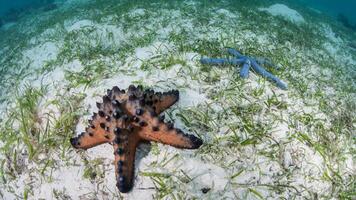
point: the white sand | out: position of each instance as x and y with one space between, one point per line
137 12
39 55
284 11
77 25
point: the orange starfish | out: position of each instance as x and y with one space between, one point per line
127 118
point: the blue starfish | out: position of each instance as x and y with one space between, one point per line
247 62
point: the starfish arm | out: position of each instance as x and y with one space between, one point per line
125 144
100 129
85 141
154 129
235 52
214 61
221 61
158 101
245 69
117 93
260 70
162 101
94 135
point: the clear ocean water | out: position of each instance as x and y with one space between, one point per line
331 8
179 99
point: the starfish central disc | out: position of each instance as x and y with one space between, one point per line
127 118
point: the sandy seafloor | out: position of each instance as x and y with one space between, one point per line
260 142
